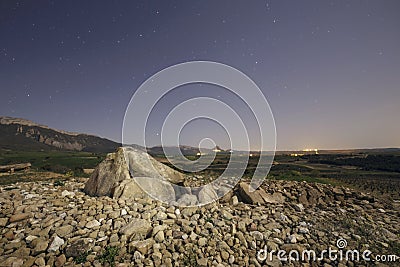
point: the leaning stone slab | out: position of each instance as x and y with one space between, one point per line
250 197
110 175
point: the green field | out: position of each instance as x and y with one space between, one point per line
54 161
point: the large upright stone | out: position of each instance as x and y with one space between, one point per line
108 174
141 164
114 174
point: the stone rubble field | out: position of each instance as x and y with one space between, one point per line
43 224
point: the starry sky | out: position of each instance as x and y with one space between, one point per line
329 69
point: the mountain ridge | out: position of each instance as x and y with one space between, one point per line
22 134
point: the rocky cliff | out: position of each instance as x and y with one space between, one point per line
21 134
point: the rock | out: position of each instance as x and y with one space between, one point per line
207 195
30 238
19 217
303 230
149 233
115 169
40 261
160 216
225 255
137 255
111 171
337 191
226 215
226 193
142 246
234 201
79 247
128 189
257 235
3 221
114 238
123 212
187 200
298 207
292 239
144 187
202 261
275 198
64 230
55 244
139 166
231 259
303 198
60 261
66 193
158 228
92 224
249 197
41 246
202 241
9 235
10 261
159 237
157 256
136 226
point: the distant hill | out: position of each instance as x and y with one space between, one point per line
171 150
185 150
24 135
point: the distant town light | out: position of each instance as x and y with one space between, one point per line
311 150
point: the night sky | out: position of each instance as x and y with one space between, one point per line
329 69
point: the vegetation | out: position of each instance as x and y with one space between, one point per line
64 162
59 183
190 258
82 257
298 176
108 256
382 162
